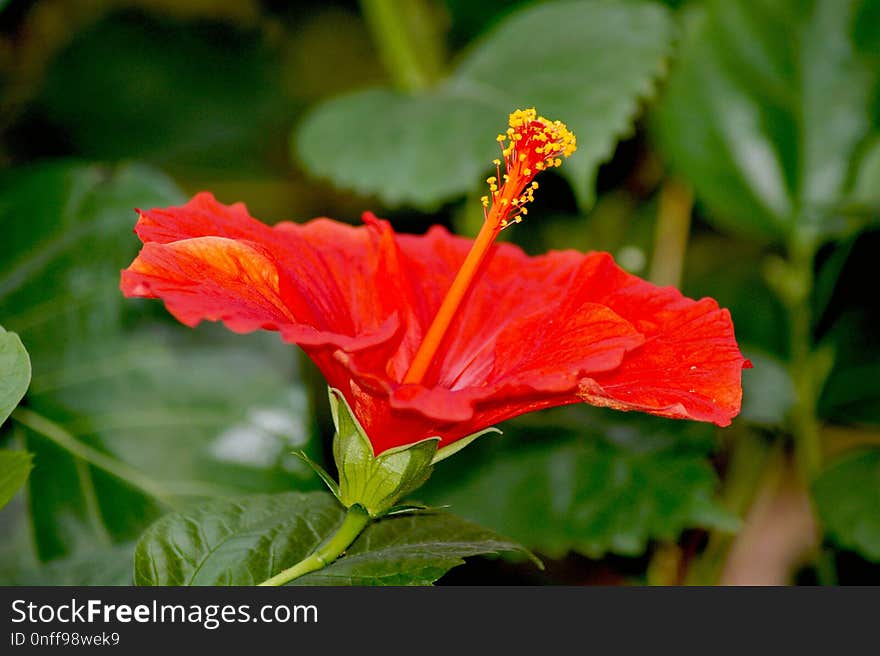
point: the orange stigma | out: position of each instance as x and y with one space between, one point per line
531 144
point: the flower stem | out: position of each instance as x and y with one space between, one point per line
409 46
356 520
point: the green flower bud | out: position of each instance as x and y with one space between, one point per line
376 483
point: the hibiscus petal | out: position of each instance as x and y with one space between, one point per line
592 332
690 365
320 284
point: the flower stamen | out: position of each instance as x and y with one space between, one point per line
530 145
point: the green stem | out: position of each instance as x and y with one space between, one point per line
356 520
826 568
408 44
59 436
671 232
805 423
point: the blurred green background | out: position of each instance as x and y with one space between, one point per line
731 148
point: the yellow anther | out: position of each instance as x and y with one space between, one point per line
529 145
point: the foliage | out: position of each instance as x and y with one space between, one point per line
125 437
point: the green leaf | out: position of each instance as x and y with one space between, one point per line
847 496
210 99
768 391
770 114
245 541
613 488
15 372
586 63
110 566
118 376
14 469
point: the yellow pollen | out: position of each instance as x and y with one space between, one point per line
529 145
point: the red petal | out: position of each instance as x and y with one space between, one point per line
323 283
690 365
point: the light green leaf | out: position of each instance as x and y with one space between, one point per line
769 113
15 372
14 469
245 541
587 63
847 496
610 489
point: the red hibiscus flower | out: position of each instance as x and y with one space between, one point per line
437 335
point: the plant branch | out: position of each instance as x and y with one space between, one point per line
59 436
803 361
408 43
671 232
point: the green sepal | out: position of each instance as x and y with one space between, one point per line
458 445
375 482
332 485
414 509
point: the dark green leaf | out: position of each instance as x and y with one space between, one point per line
586 63
159 399
769 114
560 487
15 372
207 95
415 549
852 393
110 566
245 541
847 496
14 469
